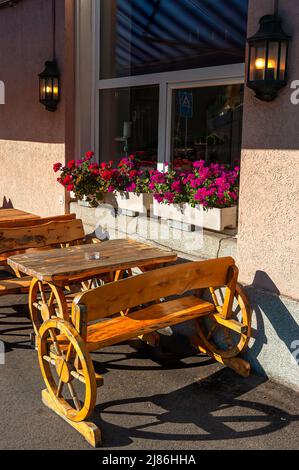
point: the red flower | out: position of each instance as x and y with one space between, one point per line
67 180
57 166
88 156
93 166
71 164
70 187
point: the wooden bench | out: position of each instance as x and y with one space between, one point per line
64 347
58 232
40 221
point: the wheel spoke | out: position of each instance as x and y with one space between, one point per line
51 299
74 396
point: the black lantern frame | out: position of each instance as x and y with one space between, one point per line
268 58
49 86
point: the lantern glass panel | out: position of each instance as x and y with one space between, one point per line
258 61
42 88
272 63
55 89
49 87
283 61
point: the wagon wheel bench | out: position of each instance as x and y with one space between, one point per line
64 346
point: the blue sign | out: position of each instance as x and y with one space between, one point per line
185 104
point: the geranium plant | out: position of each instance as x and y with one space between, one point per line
131 178
213 185
87 179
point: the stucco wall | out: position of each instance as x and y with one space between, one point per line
31 138
268 237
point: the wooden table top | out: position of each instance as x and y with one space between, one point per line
10 215
73 263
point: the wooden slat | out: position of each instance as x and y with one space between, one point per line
12 215
40 235
36 221
72 264
149 319
106 300
15 286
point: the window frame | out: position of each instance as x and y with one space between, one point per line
231 74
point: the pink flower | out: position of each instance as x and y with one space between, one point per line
131 188
169 197
176 186
111 189
158 197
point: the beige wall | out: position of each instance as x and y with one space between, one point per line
31 138
268 238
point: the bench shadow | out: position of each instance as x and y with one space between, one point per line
264 297
212 405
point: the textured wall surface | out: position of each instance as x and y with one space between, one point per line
268 236
31 138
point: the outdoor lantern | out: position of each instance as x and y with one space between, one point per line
268 57
49 87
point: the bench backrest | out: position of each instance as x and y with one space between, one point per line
32 222
39 236
114 297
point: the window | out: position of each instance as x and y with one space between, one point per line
151 36
206 125
154 57
129 123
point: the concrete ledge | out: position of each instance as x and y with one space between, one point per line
197 244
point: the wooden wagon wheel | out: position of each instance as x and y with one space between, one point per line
67 369
45 301
223 340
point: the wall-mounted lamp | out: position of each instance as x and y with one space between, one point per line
49 93
268 58
49 79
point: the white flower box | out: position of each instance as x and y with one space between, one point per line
214 218
132 203
107 199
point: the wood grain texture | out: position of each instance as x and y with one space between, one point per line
37 221
63 265
15 286
111 298
146 320
38 236
11 215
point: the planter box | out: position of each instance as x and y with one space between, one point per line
108 199
134 204
214 219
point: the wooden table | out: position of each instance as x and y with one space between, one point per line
54 270
11 215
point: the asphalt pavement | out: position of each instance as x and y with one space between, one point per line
147 401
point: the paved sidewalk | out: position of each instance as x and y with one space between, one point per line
192 404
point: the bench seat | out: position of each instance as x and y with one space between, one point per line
17 285
146 320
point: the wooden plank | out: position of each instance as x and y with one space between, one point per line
40 235
144 321
37 221
7 215
106 300
15 286
87 429
73 263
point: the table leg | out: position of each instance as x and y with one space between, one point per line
46 300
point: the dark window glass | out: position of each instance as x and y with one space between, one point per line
207 125
149 36
129 124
